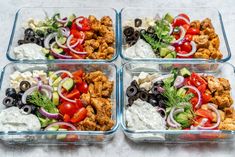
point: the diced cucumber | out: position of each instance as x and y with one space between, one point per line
164 51
59 50
50 74
173 54
45 51
185 72
169 56
68 84
55 98
61 136
181 92
50 57
72 17
55 88
56 82
62 40
169 18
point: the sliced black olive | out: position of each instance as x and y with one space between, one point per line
162 103
158 83
150 30
11 92
131 91
128 31
24 85
152 100
19 104
33 39
29 32
138 22
155 90
20 94
136 35
8 101
132 42
27 109
20 42
40 33
34 109
134 83
143 90
144 96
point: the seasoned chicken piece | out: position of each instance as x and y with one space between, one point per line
216 54
88 35
89 123
109 37
98 88
103 108
91 89
195 24
96 26
107 21
202 53
227 124
222 115
215 42
94 76
202 41
93 43
214 84
92 18
86 98
225 83
210 32
221 101
89 49
107 88
206 23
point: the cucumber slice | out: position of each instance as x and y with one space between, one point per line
55 98
181 92
61 136
169 18
50 57
164 51
68 84
185 72
56 82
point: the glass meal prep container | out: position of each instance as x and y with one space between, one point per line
58 137
128 15
29 17
129 70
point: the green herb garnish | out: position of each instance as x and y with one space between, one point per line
42 101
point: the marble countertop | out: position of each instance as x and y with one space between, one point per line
119 146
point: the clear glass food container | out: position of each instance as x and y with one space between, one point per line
129 70
127 14
24 14
52 137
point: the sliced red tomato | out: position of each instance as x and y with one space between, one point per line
67 108
179 22
79 103
206 98
176 36
197 80
186 46
85 23
178 48
66 118
202 88
186 26
83 87
204 113
185 16
194 101
74 94
79 115
64 75
184 52
198 120
77 76
193 31
186 81
188 37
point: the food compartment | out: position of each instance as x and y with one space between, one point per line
173 34
58 103
160 105
64 34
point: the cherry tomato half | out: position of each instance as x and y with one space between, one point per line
178 48
185 16
79 115
193 31
83 87
67 108
186 46
188 37
204 113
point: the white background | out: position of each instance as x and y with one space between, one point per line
120 146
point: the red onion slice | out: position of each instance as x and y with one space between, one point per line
48 115
77 21
58 72
60 93
173 112
61 123
48 39
194 49
57 55
59 44
179 81
198 93
62 21
32 89
65 31
71 48
202 123
163 110
182 35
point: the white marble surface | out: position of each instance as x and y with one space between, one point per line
120 146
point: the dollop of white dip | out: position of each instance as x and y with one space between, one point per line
29 51
143 116
12 119
140 50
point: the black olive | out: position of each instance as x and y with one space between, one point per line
153 100
162 103
34 108
19 104
33 40
136 35
20 42
158 83
11 92
129 38
27 109
134 83
142 90
150 30
132 42
24 85
128 31
144 96
155 90
8 101
20 94
131 100
40 33
138 22
131 91
29 32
